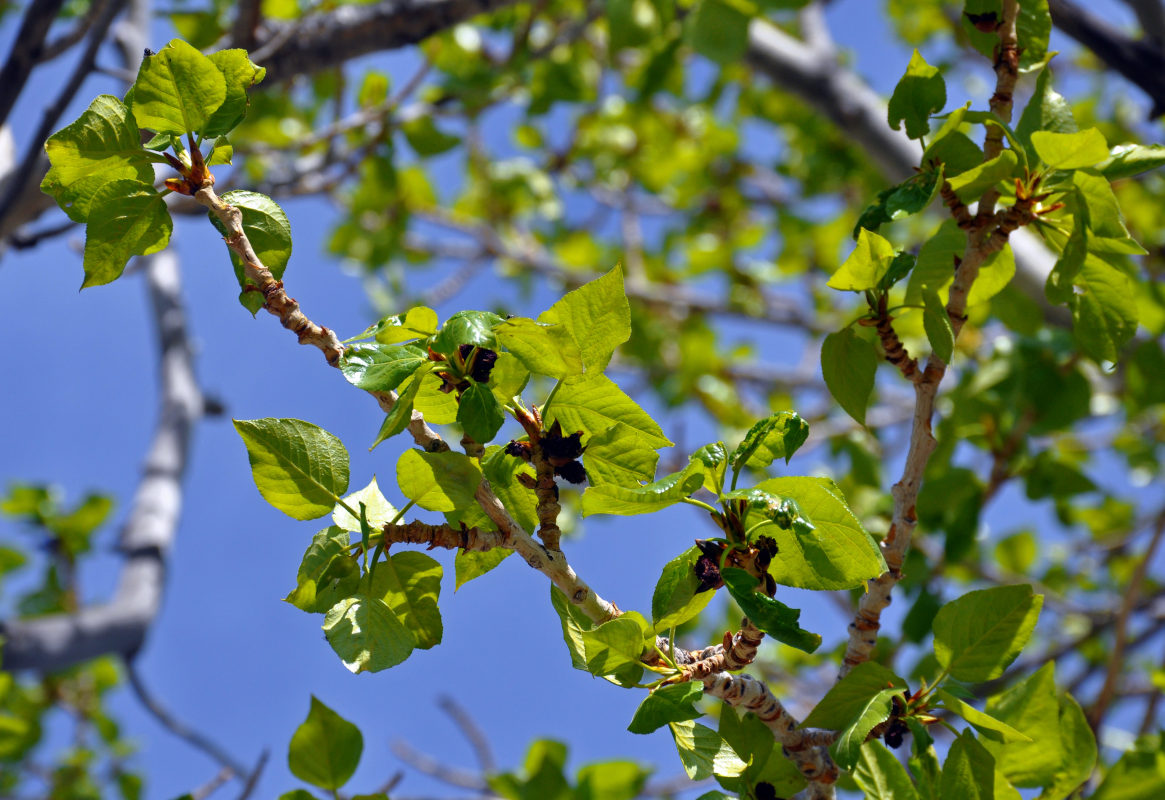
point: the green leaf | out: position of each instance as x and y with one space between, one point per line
1033 27
597 317
619 455
666 704
703 752
771 616
438 481
969 771
1139 774
978 635
239 75
366 635
409 583
776 436
269 233
402 412
920 93
127 218
325 749
380 367
221 153
988 727
1079 748
426 138
1127 160
327 574
866 265
1058 287
937 324
614 645
713 459
873 711
837 554
880 774
102 145
850 696
480 414
1079 150
1105 223
610 498
177 90
909 197
593 404
470 564
419 322
936 267
718 30
675 599
466 327
1104 310
970 185
848 364
1047 110
299 468
611 780
543 349
500 469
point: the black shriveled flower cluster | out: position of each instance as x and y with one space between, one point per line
562 452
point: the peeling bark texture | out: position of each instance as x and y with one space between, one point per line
989 235
737 652
1140 61
445 536
320 41
58 641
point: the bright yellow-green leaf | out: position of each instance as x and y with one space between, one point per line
299 468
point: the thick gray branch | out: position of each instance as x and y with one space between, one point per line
1140 61
120 626
26 51
325 40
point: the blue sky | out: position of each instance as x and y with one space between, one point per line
226 654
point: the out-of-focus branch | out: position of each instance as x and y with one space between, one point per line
58 641
1140 61
351 31
1151 15
27 49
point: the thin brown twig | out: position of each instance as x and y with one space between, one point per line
472 733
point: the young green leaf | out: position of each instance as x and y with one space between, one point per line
880 774
177 90
848 364
402 413
620 455
597 317
1138 773
327 574
426 138
299 468
1127 160
1047 110
409 583
380 367
675 599
937 324
325 749
1079 150
850 696
470 564
969 771
542 348
127 218
102 145
269 233
610 780
717 30
1104 309
776 436
239 75
613 646
920 93
438 481
610 498
970 185
874 710
593 404
480 414
713 459
419 322
978 635
865 265
366 635
666 704
466 327
703 752
837 554
987 725
771 616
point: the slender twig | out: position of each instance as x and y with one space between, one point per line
422 762
27 50
222 777
1120 638
253 777
469 729
177 727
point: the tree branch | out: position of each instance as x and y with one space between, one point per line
58 641
1141 62
348 32
26 51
